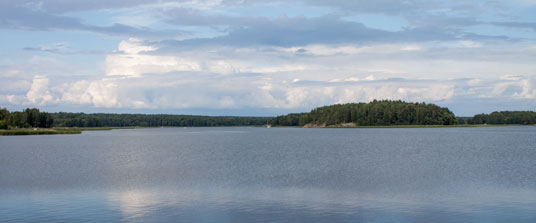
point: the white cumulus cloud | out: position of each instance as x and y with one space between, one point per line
39 93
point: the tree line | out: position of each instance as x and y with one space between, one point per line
30 117
383 112
505 117
64 119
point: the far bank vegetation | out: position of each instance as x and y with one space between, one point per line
375 113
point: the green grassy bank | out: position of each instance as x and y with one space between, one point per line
16 132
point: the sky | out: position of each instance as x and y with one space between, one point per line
265 58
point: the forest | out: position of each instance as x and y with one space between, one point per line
64 119
30 117
375 113
505 117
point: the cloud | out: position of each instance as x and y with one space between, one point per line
192 90
430 21
331 50
287 32
99 93
39 93
62 6
381 6
54 48
133 63
13 16
523 25
182 91
515 86
528 89
143 75
62 49
367 89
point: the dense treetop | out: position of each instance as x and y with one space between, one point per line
34 118
504 117
64 119
30 117
385 112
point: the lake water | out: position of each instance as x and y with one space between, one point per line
271 175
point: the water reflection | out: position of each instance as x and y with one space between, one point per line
259 204
135 203
291 204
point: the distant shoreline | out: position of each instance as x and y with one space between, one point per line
40 131
402 126
63 131
57 131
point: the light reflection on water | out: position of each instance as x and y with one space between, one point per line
267 204
276 175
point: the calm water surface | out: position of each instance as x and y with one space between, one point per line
271 175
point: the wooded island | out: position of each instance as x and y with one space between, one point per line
375 113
